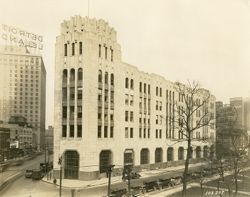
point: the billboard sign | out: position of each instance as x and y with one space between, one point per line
11 35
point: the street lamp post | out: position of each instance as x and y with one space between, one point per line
60 184
109 170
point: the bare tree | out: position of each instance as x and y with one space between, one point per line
195 101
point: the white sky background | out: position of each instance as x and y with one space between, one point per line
203 40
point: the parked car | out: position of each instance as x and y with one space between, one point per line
118 192
135 175
28 173
177 180
164 183
37 174
151 185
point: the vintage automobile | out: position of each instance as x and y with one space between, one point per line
37 174
28 173
118 192
151 185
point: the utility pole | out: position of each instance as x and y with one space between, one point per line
60 185
109 170
45 169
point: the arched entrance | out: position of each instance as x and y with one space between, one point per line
170 154
198 152
105 160
144 156
181 153
71 164
158 155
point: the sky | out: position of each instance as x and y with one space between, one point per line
203 40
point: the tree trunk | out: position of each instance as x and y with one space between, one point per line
184 188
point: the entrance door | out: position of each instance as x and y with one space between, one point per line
71 169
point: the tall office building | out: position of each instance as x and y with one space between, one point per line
109 112
22 85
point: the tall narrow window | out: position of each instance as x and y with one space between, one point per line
71 131
99 76
112 79
106 78
131 84
65 49
73 48
111 132
80 74
131 133
100 50
64 131
106 52
79 130
80 48
99 132
112 54
105 131
65 75
126 83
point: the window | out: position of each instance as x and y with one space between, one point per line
105 160
131 84
126 132
144 156
80 74
131 116
80 48
140 134
72 93
126 83
131 133
126 99
64 131
112 79
106 78
79 111
79 93
126 116
156 91
79 130
112 54
181 153
131 100
65 75
99 76
106 52
73 48
105 131
72 110
170 154
100 50
145 88
65 50
140 86
64 112
160 92
72 75
158 155
111 132
148 89
99 132
71 131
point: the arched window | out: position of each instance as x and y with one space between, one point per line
198 152
158 155
144 156
112 79
126 83
99 76
205 152
71 164
72 75
65 75
80 74
105 160
170 154
181 153
106 78
131 84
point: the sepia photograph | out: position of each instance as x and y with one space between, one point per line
114 98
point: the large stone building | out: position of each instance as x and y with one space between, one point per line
109 112
22 85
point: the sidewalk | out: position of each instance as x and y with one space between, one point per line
80 184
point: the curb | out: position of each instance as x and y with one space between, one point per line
11 179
